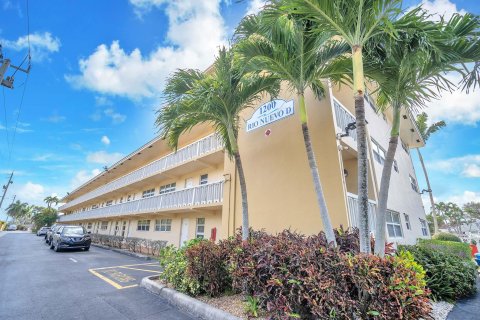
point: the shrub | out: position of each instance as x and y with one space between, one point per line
206 264
461 250
448 277
294 276
445 236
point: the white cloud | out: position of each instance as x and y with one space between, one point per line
441 8
144 6
55 118
102 101
42 44
32 193
83 176
195 31
466 196
254 6
115 116
43 157
467 166
105 140
103 157
21 128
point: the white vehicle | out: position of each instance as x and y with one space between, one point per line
12 227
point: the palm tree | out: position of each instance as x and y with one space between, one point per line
285 48
217 98
17 209
356 22
51 199
411 69
426 131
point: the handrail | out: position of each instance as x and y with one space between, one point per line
196 149
343 117
188 197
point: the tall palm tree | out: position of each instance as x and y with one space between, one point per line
426 131
17 209
412 68
356 22
217 98
51 199
284 47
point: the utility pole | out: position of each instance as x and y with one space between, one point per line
5 188
5 64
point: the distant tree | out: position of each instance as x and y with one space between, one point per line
452 214
51 199
44 217
16 209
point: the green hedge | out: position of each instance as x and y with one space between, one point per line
459 249
445 236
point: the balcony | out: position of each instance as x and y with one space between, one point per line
343 117
188 153
201 196
353 219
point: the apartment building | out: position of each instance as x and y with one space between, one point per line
157 193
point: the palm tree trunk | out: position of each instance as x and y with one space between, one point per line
327 224
380 234
243 191
432 203
359 89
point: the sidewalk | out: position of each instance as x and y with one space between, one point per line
467 308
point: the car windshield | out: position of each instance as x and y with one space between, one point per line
73 231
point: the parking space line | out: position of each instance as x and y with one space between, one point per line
73 260
128 265
154 271
107 280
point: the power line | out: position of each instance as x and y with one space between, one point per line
6 122
18 117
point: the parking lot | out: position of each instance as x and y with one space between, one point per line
38 283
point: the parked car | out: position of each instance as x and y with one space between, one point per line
70 237
48 236
12 227
42 231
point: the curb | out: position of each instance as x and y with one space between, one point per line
191 305
121 251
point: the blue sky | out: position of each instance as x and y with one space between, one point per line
97 72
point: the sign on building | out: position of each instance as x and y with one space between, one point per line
269 112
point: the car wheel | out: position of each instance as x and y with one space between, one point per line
86 248
51 244
56 248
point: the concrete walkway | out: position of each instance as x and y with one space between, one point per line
466 309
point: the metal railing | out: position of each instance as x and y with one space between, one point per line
197 149
343 117
353 218
196 196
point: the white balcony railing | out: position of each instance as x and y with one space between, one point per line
206 194
352 201
201 147
343 117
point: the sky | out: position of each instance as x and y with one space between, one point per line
98 70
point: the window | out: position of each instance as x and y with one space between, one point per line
423 223
109 203
143 225
405 146
395 165
413 183
95 206
104 225
115 231
407 221
394 226
124 228
378 152
163 225
89 225
203 179
200 230
121 200
148 193
168 188
129 197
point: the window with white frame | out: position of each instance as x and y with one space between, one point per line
394 226
148 193
407 221
200 229
168 188
104 225
89 225
423 224
109 203
116 229
203 179
413 183
143 225
395 165
163 225
378 152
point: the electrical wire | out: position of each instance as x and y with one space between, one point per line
18 118
5 119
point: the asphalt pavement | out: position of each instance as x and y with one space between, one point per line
38 283
468 308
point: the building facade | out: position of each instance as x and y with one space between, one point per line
160 194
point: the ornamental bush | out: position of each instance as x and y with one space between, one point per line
448 277
459 249
445 236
